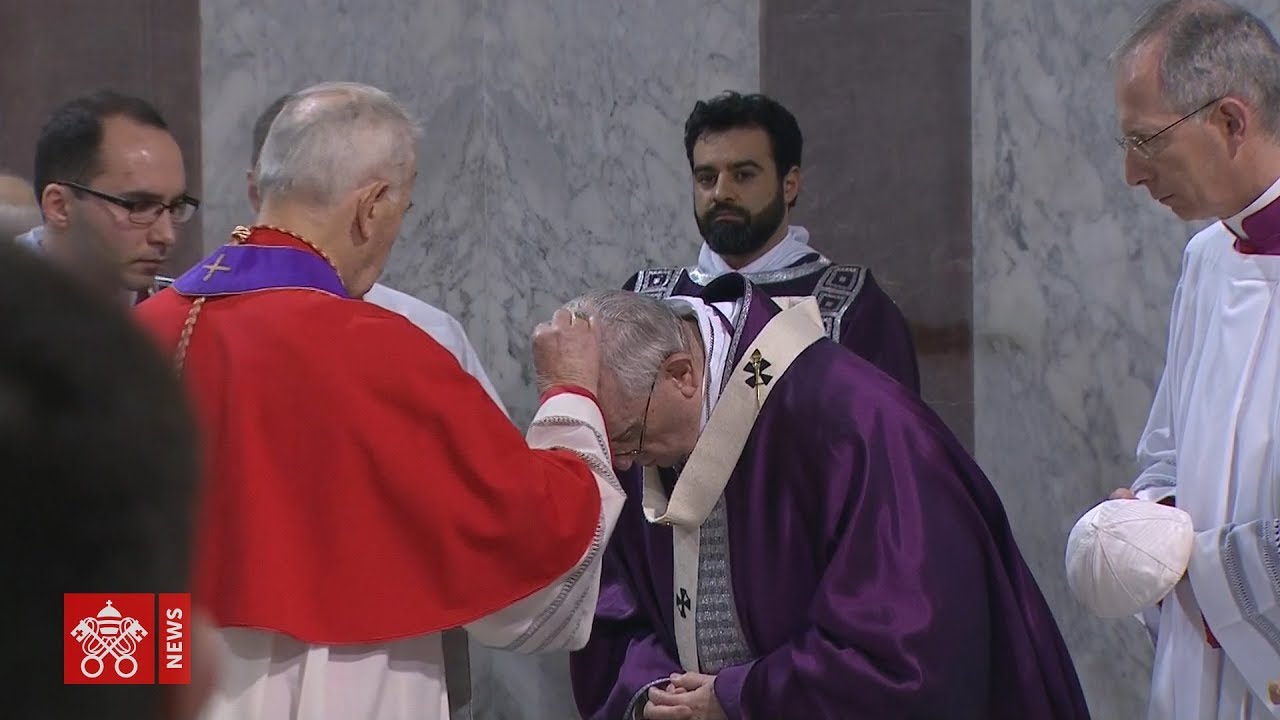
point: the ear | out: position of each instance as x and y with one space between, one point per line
791 186
1233 117
255 201
55 203
370 205
682 368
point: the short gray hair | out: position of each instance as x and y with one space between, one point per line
637 333
331 138
1211 49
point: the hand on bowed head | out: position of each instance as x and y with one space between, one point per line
566 351
690 696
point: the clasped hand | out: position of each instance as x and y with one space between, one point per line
689 696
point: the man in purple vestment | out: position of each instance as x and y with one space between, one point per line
744 151
807 539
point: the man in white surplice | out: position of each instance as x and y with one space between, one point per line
1198 91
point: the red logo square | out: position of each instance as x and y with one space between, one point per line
108 638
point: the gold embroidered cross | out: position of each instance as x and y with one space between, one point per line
757 378
216 266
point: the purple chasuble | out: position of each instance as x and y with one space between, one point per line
270 260
873 570
856 310
1262 230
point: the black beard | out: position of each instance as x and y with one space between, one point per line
745 235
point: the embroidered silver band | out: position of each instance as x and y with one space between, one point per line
836 292
1269 547
657 282
720 641
739 322
767 277
1229 542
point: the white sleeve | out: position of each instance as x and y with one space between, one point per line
1158 447
559 617
470 362
1235 573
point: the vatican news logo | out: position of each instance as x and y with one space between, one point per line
126 638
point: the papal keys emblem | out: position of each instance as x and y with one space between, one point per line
108 634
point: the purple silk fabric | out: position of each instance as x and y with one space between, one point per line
873 567
1263 230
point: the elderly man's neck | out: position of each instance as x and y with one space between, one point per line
325 228
1261 172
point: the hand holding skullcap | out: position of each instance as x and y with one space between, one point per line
1126 555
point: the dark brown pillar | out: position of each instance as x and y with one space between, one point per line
881 90
54 50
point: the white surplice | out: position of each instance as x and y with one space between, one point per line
1213 442
783 255
268 676
440 325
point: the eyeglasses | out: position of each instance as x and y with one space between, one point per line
644 422
1143 146
145 212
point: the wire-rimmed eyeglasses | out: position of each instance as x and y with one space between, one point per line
1143 145
644 422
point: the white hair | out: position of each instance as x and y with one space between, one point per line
637 333
1210 49
331 138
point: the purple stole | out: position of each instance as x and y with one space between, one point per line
234 269
1262 231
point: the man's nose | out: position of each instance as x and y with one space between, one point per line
163 231
1136 170
724 190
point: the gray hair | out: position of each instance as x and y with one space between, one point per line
331 138
637 333
1211 49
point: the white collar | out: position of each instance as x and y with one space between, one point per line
1236 222
791 248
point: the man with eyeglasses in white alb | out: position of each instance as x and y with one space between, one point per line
112 189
